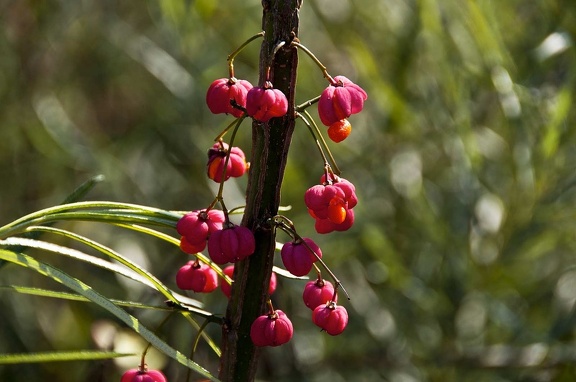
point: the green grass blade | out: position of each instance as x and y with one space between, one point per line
75 196
86 291
176 242
80 192
76 297
129 270
80 355
94 211
158 285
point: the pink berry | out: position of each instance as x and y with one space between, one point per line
298 258
340 100
197 276
196 226
330 317
346 186
138 375
224 286
323 226
191 249
318 292
273 283
265 103
231 244
271 330
229 271
235 167
331 203
223 91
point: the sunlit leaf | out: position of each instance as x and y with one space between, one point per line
79 355
85 290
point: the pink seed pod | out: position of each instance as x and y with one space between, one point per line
330 317
273 329
265 103
231 244
318 198
324 226
138 375
297 258
227 289
273 284
331 203
340 100
224 286
318 292
236 166
191 249
197 276
196 226
223 91
346 186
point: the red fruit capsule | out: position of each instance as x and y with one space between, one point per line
235 167
318 292
224 286
191 249
298 258
265 103
340 100
196 226
231 244
330 317
138 375
324 226
223 91
273 329
197 276
331 203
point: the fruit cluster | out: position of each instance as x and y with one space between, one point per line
330 203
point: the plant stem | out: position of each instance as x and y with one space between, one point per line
317 61
233 55
270 144
322 140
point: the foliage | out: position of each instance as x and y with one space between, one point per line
461 263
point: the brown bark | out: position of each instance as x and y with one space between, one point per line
270 144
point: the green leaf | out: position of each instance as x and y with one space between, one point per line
176 242
186 305
86 291
79 355
77 297
102 211
288 275
80 192
133 271
76 195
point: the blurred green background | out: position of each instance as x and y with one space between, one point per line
461 263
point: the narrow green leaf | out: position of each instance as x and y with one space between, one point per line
183 303
80 355
80 192
75 196
85 290
76 297
94 211
288 275
133 271
176 242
